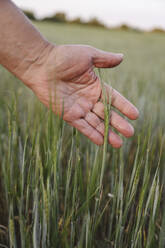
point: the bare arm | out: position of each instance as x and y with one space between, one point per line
20 42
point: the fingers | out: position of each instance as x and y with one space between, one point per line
86 129
96 135
121 125
124 106
116 121
93 127
104 59
121 103
115 139
98 124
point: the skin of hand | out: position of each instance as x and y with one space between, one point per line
65 74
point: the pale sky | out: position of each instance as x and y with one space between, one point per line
144 14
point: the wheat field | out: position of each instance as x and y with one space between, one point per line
57 189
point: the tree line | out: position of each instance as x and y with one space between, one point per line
61 17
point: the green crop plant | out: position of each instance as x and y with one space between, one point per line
57 189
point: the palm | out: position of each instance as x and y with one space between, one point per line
77 86
75 89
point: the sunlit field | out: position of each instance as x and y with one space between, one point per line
57 189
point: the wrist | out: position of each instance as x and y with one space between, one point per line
33 65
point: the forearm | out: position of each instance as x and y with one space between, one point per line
21 44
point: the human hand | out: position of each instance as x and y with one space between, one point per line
65 74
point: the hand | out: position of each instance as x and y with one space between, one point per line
65 75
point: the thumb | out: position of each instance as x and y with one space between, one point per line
102 59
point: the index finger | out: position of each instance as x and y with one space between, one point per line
121 103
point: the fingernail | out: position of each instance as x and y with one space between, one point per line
120 55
